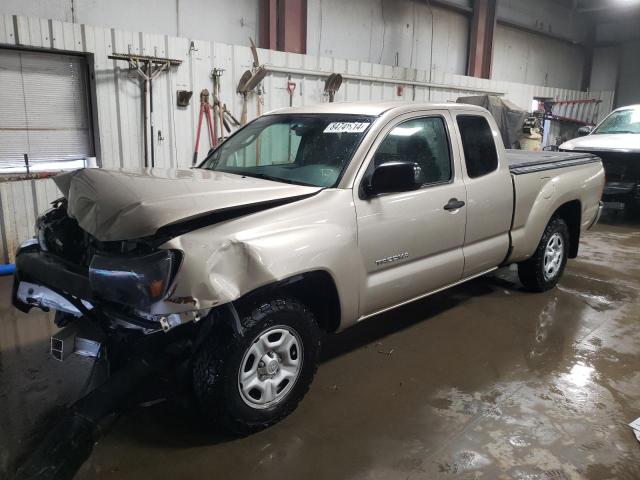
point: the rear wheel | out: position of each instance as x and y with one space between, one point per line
543 270
247 382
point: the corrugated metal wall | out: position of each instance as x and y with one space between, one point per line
119 103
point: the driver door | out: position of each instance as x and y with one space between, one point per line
410 244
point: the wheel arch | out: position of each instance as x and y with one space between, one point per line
571 213
316 289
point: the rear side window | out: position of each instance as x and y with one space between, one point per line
479 146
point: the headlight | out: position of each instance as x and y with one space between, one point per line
135 281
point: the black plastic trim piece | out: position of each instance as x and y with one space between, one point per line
530 167
52 272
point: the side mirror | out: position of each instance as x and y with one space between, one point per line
585 130
392 177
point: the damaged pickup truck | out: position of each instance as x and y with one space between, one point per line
306 221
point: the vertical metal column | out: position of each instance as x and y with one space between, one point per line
483 25
283 25
268 21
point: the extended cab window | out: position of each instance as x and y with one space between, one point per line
422 141
478 144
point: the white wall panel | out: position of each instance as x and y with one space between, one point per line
629 81
525 57
383 31
211 20
119 101
156 16
546 16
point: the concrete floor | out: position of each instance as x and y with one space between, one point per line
483 381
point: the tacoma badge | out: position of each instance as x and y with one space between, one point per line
392 258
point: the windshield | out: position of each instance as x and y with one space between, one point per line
302 149
622 121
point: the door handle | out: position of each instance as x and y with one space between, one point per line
454 204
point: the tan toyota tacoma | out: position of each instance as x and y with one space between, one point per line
306 221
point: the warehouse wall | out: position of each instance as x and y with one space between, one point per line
524 57
546 16
119 101
550 57
604 71
622 44
229 21
628 91
390 32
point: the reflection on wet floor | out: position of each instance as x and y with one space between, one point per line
484 380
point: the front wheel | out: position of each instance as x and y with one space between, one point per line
543 270
249 381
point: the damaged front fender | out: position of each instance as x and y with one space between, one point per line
224 262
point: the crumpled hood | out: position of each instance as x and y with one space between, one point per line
129 204
612 142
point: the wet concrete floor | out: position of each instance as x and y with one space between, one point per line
482 381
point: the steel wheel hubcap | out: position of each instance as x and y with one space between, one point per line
270 367
553 256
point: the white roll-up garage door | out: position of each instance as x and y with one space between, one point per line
44 112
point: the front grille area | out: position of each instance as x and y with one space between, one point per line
61 235
620 166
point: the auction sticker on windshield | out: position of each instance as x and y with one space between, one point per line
346 127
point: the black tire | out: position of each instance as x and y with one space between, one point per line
531 272
216 367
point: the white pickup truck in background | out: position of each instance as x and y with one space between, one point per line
616 140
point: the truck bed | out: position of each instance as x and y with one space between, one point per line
524 161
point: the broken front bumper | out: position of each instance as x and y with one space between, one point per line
46 281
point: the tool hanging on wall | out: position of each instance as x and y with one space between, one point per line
256 67
242 90
205 110
148 68
249 80
332 85
218 117
291 87
229 118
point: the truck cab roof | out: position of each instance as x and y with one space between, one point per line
373 108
